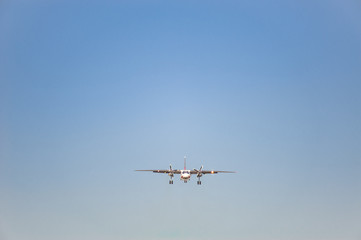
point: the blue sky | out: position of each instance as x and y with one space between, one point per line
91 91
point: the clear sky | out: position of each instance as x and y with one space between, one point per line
91 91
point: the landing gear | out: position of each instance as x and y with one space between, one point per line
171 177
199 180
199 175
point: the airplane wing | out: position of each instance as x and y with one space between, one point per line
161 171
210 172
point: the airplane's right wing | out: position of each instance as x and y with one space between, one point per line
215 172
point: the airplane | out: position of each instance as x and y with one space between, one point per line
185 175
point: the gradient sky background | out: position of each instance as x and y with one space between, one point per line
90 91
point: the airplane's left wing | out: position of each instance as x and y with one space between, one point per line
161 171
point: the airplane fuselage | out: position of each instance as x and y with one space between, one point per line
185 175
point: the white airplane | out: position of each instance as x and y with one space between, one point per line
185 175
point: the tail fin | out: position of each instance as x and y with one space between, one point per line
185 162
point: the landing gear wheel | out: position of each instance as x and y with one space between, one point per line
170 181
199 181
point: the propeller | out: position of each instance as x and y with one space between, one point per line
171 171
199 172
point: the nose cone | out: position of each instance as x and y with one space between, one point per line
185 176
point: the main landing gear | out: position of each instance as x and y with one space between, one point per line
199 181
171 178
171 174
199 175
